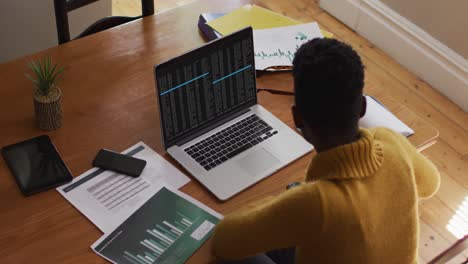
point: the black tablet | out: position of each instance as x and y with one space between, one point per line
36 165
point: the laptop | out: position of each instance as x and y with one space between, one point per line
211 122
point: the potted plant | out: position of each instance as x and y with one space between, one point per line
46 95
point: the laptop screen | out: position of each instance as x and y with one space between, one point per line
204 86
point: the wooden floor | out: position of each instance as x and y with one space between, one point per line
450 154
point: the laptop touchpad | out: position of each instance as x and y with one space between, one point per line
257 162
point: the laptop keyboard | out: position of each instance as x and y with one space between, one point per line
227 143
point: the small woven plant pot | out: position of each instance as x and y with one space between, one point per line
48 109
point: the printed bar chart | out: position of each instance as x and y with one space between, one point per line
160 238
166 229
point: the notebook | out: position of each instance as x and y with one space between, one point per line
207 32
379 116
211 122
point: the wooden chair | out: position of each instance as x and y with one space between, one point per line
62 7
452 252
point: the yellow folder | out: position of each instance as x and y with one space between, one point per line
255 16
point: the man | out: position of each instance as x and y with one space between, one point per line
359 200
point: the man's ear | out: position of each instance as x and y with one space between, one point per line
363 106
298 122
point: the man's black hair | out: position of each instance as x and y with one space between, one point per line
328 81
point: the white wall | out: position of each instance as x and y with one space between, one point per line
446 20
28 26
429 58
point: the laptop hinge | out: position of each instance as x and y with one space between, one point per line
213 126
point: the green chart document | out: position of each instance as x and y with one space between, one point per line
168 228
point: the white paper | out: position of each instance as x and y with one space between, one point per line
108 198
377 115
277 46
202 230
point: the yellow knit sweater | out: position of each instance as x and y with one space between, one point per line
358 205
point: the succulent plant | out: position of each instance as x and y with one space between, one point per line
45 75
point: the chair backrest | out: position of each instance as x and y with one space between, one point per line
62 7
457 248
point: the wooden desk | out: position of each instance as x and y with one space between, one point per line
109 101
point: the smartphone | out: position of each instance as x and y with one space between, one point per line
121 163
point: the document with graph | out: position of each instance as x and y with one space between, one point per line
108 198
275 47
168 228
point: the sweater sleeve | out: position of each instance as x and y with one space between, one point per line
426 175
283 222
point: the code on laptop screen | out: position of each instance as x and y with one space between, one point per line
203 85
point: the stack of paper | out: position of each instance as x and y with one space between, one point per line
144 219
276 37
254 16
